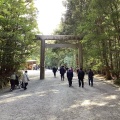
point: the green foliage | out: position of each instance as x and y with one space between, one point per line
18 27
58 57
99 21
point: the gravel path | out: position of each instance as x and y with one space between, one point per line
52 99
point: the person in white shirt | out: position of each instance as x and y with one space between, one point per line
25 80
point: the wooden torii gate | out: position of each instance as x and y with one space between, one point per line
58 37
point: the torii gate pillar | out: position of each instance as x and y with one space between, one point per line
42 60
80 55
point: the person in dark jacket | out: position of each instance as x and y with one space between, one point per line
81 74
17 81
54 71
62 72
90 77
70 77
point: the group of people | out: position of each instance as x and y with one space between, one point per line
14 78
62 71
80 74
15 81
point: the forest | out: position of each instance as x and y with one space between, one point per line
97 20
18 27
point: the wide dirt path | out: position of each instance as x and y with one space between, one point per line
52 99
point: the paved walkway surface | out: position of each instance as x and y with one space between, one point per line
52 99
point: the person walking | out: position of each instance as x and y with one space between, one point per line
17 80
25 80
12 81
70 76
62 72
54 71
90 77
81 74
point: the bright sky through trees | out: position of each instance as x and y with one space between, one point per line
49 16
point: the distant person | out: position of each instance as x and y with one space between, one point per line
54 71
25 80
62 72
77 70
90 77
70 76
17 80
81 74
12 81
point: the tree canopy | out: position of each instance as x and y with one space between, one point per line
99 21
18 27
